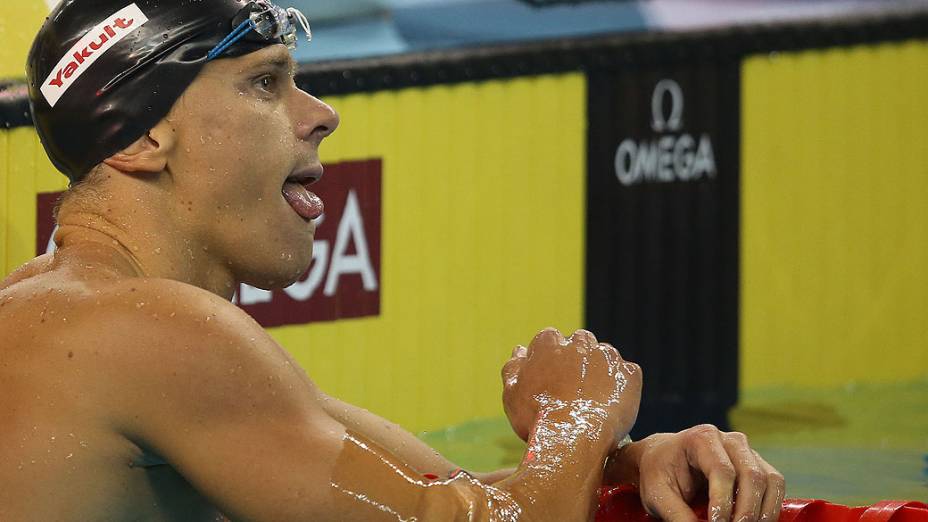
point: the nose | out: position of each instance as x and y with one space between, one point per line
317 119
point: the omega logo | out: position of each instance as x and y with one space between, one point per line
671 156
659 122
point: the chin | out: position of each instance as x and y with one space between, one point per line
278 274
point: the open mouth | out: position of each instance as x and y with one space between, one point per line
306 204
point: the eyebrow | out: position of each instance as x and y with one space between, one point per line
282 62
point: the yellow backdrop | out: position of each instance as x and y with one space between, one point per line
19 22
834 209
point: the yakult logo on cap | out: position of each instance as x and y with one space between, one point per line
94 44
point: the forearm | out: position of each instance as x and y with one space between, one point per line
404 445
562 468
556 481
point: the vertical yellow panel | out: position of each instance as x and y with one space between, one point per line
835 181
4 201
25 171
19 22
21 212
482 243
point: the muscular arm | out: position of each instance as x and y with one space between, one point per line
390 436
406 446
210 392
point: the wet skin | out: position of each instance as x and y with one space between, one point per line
131 389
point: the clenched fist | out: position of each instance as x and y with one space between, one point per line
554 372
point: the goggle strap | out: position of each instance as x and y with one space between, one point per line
304 22
237 34
251 24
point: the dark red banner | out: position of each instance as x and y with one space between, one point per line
343 280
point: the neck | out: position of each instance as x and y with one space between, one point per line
140 244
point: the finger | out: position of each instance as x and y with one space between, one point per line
510 372
583 339
705 452
609 348
776 490
631 376
548 336
665 502
752 480
612 357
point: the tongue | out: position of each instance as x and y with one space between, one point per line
304 202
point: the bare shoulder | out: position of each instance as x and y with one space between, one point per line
169 326
164 309
116 369
179 344
121 314
146 345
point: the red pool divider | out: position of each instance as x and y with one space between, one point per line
623 504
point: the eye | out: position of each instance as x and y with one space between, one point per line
266 82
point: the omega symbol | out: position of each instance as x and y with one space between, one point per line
659 121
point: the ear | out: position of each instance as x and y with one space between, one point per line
148 154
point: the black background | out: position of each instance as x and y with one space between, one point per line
662 258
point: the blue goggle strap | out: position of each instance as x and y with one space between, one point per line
270 24
237 34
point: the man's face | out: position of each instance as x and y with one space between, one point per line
243 128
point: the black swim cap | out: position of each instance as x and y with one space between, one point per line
102 73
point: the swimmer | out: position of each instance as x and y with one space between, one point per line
132 389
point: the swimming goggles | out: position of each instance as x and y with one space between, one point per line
270 22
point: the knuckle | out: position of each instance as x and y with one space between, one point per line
583 338
703 431
547 335
726 471
738 437
510 368
651 502
776 480
583 333
757 477
632 369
